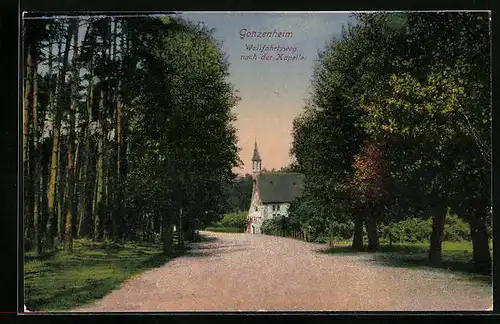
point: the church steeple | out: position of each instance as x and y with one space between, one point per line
256 161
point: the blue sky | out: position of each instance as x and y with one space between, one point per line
272 92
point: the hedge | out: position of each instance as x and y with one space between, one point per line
414 230
224 229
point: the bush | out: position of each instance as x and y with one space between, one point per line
320 238
343 231
456 230
279 226
224 229
412 230
233 220
271 226
417 230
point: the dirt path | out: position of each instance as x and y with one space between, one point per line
232 272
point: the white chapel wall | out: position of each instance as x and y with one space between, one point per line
255 211
269 212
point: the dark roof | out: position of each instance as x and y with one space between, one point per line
280 186
256 156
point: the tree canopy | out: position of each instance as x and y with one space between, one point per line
127 131
399 123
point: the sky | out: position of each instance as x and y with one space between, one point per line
272 91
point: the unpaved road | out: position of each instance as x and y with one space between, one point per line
231 272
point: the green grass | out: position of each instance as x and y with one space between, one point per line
224 229
457 257
58 282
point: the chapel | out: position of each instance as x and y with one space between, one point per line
272 193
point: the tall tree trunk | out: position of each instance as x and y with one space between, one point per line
110 226
117 197
44 176
83 195
57 131
436 241
168 234
95 206
86 197
123 177
105 204
78 184
68 237
160 229
36 162
188 229
357 240
99 211
371 220
27 194
180 240
50 214
480 243
152 228
61 193
98 206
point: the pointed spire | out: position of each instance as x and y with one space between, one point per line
256 156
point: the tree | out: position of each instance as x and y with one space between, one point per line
133 111
239 192
58 114
416 83
445 87
370 189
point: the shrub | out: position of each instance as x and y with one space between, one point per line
321 238
224 229
342 230
417 230
234 220
456 230
272 226
279 226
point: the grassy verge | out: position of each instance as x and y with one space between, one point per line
224 229
58 282
457 257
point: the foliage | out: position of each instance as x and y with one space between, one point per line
239 192
418 86
369 177
224 229
455 229
273 226
342 230
412 230
418 230
127 131
233 220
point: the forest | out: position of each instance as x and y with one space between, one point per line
398 128
126 130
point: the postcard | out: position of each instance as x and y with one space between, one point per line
257 161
